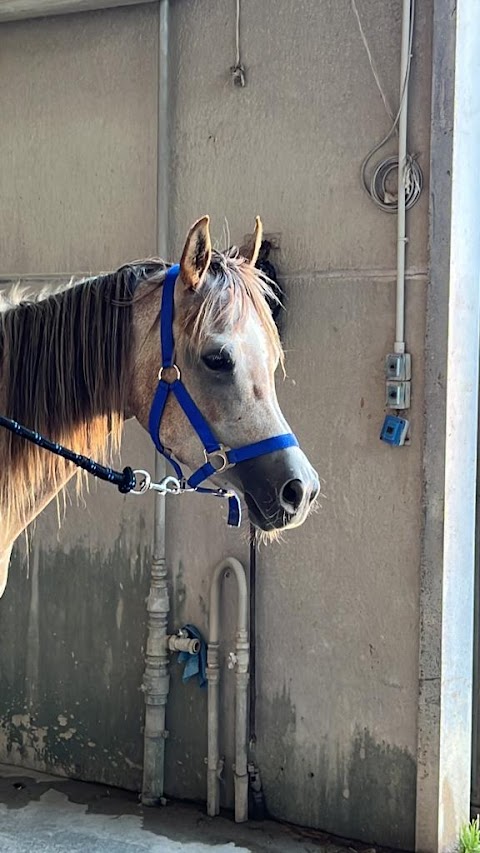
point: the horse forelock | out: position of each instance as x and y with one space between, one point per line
233 292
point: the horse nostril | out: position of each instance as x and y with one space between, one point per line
315 491
291 495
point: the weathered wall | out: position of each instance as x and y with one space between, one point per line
78 109
78 134
72 633
338 599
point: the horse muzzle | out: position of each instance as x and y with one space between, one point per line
279 489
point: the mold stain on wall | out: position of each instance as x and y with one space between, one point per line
373 781
71 699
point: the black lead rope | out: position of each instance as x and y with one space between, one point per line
124 480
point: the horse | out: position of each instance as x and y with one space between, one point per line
77 362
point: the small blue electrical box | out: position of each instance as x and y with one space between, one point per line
394 430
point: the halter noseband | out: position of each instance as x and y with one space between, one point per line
217 457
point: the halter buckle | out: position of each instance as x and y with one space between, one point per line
176 378
220 455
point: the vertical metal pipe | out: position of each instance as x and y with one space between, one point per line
163 137
402 162
213 678
156 678
252 724
241 724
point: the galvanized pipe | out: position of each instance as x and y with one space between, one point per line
156 679
183 644
213 756
241 727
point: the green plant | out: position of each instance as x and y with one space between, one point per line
470 837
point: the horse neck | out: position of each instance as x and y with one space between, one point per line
13 523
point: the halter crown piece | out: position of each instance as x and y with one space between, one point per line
217 457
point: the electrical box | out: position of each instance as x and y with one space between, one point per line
394 430
398 366
397 395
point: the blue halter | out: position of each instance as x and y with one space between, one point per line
217 457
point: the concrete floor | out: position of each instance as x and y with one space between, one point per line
46 814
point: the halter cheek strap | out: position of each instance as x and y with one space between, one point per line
217 457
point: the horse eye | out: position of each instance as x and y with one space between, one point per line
220 361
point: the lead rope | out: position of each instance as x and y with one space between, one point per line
128 481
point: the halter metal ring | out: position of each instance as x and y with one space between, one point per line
219 455
162 370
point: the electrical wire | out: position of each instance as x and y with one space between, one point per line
412 180
238 70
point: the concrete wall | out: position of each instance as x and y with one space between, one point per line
72 632
79 137
338 599
338 606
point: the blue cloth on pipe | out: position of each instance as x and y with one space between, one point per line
195 665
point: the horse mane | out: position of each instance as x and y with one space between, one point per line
65 360
64 365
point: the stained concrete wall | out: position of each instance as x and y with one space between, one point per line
337 600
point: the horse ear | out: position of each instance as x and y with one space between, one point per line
252 247
197 254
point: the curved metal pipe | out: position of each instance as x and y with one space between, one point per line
235 566
240 662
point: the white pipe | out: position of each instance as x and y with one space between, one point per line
156 679
240 663
399 345
15 10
